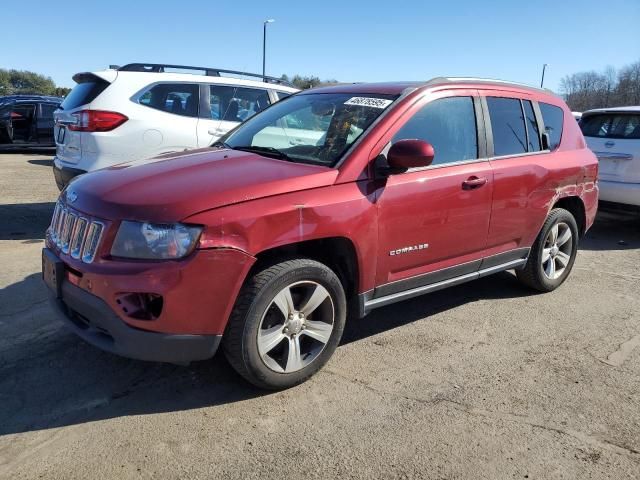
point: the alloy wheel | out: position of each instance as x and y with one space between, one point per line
296 327
557 250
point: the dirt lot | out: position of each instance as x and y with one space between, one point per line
485 380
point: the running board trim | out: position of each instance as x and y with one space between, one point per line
369 305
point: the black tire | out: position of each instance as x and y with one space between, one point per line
240 341
533 274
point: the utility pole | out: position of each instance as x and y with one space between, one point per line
544 67
264 45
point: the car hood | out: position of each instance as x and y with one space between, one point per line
172 187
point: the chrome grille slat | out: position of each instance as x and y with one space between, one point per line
78 235
75 234
92 241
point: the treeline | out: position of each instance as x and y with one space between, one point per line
610 88
14 82
303 83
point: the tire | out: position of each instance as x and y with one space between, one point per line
277 340
548 267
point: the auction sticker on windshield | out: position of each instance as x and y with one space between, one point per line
369 102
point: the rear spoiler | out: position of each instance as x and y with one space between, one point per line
105 76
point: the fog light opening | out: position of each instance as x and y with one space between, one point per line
141 306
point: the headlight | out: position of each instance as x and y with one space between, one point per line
155 241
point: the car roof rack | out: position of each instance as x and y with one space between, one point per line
487 81
208 71
27 96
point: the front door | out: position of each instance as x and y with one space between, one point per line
433 221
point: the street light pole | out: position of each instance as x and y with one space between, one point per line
544 67
264 45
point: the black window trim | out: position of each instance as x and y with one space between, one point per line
536 111
481 135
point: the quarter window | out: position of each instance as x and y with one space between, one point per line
507 125
449 124
179 99
236 104
553 118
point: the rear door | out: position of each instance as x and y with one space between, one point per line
44 123
228 107
23 123
615 139
520 169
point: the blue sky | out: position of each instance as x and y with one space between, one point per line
347 40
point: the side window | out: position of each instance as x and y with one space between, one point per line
47 109
507 125
282 95
553 118
178 98
449 124
533 133
236 104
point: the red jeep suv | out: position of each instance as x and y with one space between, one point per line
354 195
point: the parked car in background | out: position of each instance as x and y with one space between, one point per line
577 116
140 111
352 196
614 136
26 121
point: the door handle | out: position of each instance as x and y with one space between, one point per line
473 182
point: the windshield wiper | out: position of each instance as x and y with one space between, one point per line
221 144
268 150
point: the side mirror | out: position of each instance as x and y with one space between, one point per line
406 154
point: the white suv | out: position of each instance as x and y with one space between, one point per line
143 110
613 134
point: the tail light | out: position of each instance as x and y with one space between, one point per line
97 121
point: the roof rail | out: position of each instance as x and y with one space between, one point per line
488 81
28 96
208 71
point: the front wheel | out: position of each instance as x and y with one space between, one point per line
286 324
553 253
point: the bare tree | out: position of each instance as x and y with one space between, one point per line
587 90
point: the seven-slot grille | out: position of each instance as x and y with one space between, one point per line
74 234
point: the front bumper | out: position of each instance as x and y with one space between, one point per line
93 321
63 175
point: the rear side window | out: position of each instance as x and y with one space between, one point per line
236 104
553 118
533 134
83 93
507 125
449 124
611 126
177 98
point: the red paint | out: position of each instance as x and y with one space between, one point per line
249 204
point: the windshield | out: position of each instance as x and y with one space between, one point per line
313 128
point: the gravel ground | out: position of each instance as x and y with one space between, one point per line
484 380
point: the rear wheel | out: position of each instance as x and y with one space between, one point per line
286 324
553 253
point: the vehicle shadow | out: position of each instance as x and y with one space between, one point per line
43 162
25 220
613 231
